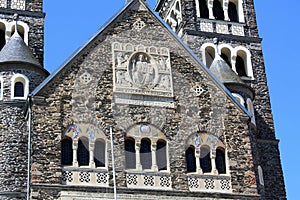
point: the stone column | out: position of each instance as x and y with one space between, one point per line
198 166
138 156
213 162
75 147
153 152
91 149
225 9
210 4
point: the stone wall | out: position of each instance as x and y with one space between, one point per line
66 100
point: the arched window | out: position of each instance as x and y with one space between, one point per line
240 66
2 35
66 152
220 161
232 12
145 153
19 89
205 160
83 154
161 155
21 31
209 55
204 13
218 10
190 159
239 98
130 154
99 153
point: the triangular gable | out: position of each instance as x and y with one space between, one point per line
128 6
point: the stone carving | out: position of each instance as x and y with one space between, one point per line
139 25
144 72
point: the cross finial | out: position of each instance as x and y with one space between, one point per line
16 18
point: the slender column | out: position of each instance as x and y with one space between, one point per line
233 63
225 9
138 155
75 148
91 149
154 163
210 4
198 166
213 162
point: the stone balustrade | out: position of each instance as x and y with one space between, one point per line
209 183
140 180
223 27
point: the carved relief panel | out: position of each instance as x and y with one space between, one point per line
142 75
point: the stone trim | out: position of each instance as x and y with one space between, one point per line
224 36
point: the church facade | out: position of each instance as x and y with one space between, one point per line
169 107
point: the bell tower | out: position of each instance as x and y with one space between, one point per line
239 54
21 71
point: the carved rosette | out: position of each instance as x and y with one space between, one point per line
144 72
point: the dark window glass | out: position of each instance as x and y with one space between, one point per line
205 161
19 89
2 39
130 155
66 152
161 155
99 153
220 161
190 159
240 66
146 157
83 152
204 13
218 10
232 12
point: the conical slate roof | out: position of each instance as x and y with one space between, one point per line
223 71
16 51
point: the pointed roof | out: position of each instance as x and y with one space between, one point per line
16 51
144 4
223 72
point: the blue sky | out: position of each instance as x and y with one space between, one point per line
69 24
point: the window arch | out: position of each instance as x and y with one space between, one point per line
201 155
243 66
250 108
88 146
66 152
19 87
232 12
220 161
218 10
239 98
209 55
161 154
99 153
21 31
205 159
226 55
130 155
190 159
204 12
145 153
83 154
146 148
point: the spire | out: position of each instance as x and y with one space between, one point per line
16 51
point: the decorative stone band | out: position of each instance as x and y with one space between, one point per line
200 183
85 177
158 181
228 28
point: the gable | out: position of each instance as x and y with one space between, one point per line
104 73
